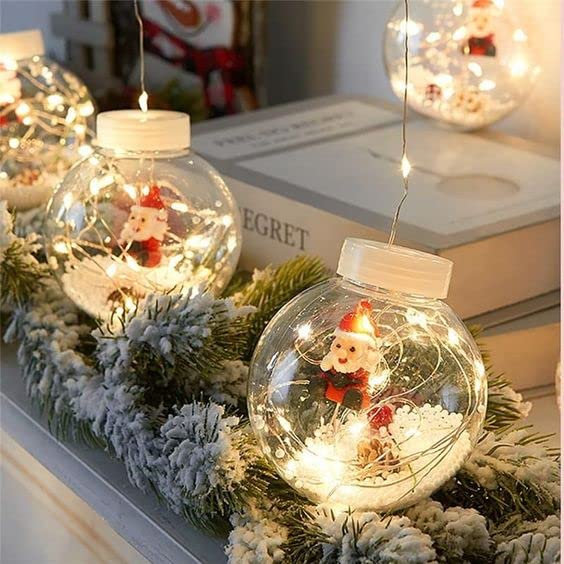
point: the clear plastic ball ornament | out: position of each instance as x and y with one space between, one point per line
367 391
470 62
46 119
143 214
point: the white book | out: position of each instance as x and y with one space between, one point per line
309 174
524 341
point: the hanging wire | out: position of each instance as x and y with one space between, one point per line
405 165
144 97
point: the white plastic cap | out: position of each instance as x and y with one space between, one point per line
21 44
395 268
134 130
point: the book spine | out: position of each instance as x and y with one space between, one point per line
488 274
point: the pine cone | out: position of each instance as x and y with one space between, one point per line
377 455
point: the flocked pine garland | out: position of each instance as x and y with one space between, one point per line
163 389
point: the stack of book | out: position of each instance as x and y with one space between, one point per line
309 174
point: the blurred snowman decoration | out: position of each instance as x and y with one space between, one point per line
145 229
353 358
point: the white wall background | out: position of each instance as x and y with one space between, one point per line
319 47
335 46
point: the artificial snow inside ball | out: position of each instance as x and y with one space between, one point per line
143 214
46 116
367 391
470 62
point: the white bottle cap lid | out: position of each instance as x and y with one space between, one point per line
134 130
395 268
21 44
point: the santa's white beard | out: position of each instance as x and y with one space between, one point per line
331 362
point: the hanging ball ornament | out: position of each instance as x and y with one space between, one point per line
46 118
470 63
367 391
142 214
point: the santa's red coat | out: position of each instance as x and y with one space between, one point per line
338 384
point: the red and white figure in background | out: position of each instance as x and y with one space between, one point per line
353 357
480 29
202 37
145 229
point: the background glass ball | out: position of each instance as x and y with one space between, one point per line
382 442
46 120
123 224
470 61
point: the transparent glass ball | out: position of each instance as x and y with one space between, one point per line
366 398
470 62
123 224
46 120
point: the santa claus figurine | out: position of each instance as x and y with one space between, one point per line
145 229
481 39
352 358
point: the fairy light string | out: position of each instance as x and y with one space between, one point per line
144 97
405 164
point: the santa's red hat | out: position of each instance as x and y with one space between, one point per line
152 199
357 323
482 4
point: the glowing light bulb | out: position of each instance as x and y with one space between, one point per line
519 68
433 37
97 184
86 109
357 428
144 101
111 270
284 423
23 109
405 166
67 201
410 26
415 317
132 263
14 142
378 380
131 191
85 150
179 207
520 36
304 331
453 337
61 247
53 100
79 129
71 115
458 9
227 220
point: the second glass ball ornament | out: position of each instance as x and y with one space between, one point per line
367 391
46 119
143 214
470 62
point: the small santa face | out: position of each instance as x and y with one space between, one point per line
349 353
145 223
480 24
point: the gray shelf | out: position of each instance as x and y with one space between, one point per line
101 481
